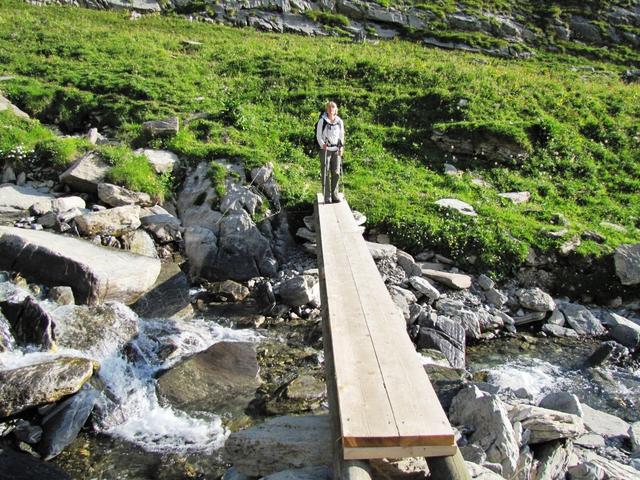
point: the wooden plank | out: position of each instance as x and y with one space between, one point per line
395 351
362 399
365 453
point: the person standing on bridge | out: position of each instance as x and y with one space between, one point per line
330 136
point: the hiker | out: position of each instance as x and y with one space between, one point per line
330 136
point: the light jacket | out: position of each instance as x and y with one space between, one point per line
332 134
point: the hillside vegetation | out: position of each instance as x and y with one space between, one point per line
575 124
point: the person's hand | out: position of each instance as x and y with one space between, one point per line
341 152
324 147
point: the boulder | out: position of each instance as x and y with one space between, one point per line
30 323
46 382
86 173
96 274
492 430
240 197
545 425
113 221
495 297
280 443
535 299
612 469
403 299
581 319
556 318
457 205
444 335
380 250
22 466
63 423
222 378
408 264
94 329
141 243
5 104
553 460
604 424
161 128
626 260
168 297
14 197
198 200
228 291
25 432
562 402
300 290
201 248
485 282
558 331
162 161
624 331
516 197
116 196
64 204
164 227
452 280
425 287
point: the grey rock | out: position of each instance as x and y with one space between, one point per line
114 221
604 424
492 429
570 245
529 317
234 474
21 197
238 197
491 147
450 169
280 443
7 342
168 297
306 234
229 291
546 425
261 175
162 161
403 299
141 243
161 128
485 282
535 299
586 471
563 402
444 335
46 382
480 472
624 331
556 318
5 104
309 222
457 205
626 260
62 295
380 251
473 453
8 175
30 323
223 377
321 472
408 264
581 319
612 469
516 197
300 290
558 331
634 436
22 466
553 460
584 30
609 351
590 440
198 200
452 280
201 248
425 287
25 432
86 173
96 274
165 228
62 425
495 297
116 196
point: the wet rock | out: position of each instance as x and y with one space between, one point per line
96 274
162 161
380 251
113 221
536 300
201 248
581 319
223 377
546 425
279 444
30 323
95 329
300 290
562 402
553 459
86 173
7 342
604 424
116 196
25 432
321 472
452 280
63 423
558 331
22 466
305 393
25 387
425 287
17 198
624 331
492 430
457 205
626 260
162 128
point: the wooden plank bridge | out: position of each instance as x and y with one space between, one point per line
381 398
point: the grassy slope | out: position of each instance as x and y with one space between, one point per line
262 94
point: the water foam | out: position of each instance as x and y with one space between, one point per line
536 376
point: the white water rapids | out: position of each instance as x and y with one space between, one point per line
132 410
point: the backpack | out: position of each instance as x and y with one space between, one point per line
322 119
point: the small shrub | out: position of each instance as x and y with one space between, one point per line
218 174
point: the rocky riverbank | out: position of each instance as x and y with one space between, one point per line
169 326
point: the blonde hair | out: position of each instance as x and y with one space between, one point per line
331 104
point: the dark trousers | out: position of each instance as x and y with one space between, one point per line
330 174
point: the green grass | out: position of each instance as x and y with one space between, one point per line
261 94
